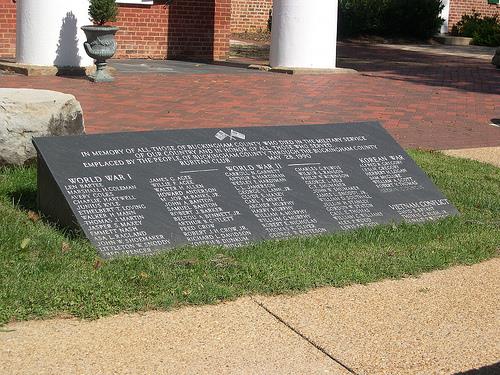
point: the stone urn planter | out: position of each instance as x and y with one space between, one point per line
100 45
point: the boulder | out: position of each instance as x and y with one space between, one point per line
496 59
27 113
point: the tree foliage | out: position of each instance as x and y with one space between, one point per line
103 11
413 18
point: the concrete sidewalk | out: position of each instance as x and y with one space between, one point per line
440 323
489 155
476 52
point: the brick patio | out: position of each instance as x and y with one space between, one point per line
424 100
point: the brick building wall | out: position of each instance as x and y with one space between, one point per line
192 29
199 29
250 15
143 31
7 28
222 22
461 7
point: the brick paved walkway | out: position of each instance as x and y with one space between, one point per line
424 100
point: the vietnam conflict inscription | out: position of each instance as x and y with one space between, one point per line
137 193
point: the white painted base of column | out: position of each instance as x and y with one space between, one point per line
302 71
445 14
304 34
49 34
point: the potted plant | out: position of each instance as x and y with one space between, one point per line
101 43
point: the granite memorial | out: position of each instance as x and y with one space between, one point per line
138 193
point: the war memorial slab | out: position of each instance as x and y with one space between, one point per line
138 193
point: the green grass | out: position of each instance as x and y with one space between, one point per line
38 279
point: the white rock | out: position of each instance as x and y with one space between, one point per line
28 113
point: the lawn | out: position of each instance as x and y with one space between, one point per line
46 272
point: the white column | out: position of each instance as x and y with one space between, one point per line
445 14
304 34
48 32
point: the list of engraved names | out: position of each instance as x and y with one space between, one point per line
112 214
140 192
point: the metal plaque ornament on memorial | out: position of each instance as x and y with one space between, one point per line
139 193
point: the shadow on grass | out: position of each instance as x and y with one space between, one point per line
24 198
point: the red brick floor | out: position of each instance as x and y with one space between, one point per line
423 100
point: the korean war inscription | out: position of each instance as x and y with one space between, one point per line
138 193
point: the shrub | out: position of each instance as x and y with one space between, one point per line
411 18
359 17
484 31
102 11
417 18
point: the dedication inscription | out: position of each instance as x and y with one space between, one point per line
138 193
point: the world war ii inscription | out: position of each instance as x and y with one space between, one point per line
138 193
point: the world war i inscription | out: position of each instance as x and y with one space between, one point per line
138 193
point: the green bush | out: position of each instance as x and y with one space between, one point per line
359 17
417 18
484 31
410 18
102 11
